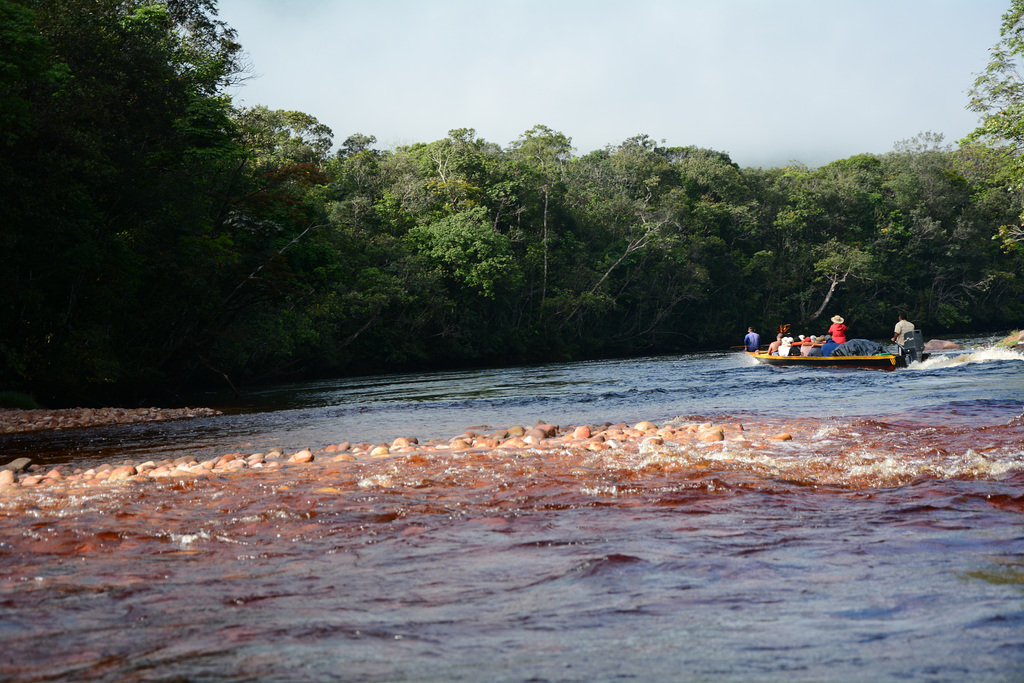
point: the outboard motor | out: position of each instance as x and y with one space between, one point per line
913 346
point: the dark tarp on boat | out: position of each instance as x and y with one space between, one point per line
858 347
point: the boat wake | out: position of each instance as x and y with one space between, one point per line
983 355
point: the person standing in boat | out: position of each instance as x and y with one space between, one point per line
838 329
752 341
902 328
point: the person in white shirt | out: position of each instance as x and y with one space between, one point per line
902 328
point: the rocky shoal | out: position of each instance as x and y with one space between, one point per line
1015 338
17 420
22 474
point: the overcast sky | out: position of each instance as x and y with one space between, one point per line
768 81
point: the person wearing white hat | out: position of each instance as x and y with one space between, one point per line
806 344
838 329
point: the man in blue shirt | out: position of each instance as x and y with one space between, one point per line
752 341
828 346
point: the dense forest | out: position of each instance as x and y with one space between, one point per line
154 237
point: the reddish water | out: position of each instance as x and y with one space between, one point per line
889 548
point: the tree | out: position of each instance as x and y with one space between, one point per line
467 250
279 138
998 96
837 263
544 153
356 143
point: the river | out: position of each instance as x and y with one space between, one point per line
884 541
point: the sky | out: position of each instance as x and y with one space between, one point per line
770 82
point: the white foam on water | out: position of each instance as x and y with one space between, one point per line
882 469
186 541
748 359
264 516
377 481
856 468
970 464
982 355
612 491
826 430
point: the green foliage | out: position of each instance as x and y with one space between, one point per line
23 60
282 138
467 249
998 96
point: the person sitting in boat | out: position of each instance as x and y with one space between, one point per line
815 349
806 344
752 341
829 345
773 348
838 329
787 344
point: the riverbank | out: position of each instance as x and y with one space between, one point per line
13 420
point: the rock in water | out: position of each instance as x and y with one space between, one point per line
17 465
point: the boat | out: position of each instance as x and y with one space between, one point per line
911 351
883 361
